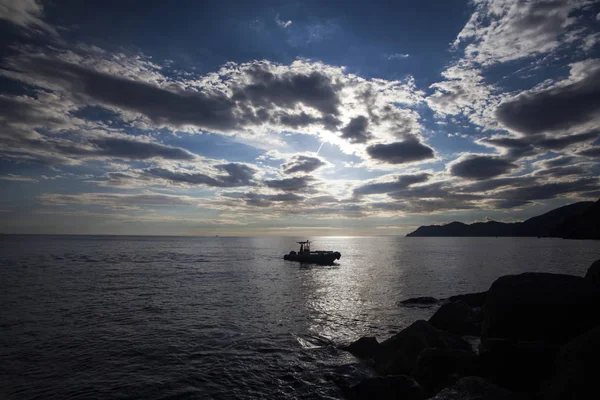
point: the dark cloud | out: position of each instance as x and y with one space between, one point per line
563 142
558 161
302 164
516 147
591 152
21 117
407 151
400 182
492 184
549 190
265 200
437 190
295 184
424 206
289 89
531 145
507 204
302 120
481 167
562 171
237 175
208 110
135 150
356 130
554 109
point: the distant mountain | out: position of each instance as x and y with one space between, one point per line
578 221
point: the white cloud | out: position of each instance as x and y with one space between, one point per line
281 23
398 56
25 13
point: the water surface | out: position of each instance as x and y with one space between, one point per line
226 318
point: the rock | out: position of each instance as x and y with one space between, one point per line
398 354
365 348
575 375
517 365
436 369
386 387
456 317
472 299
593 274
475 388
419 301
551 308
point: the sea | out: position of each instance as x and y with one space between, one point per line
141 317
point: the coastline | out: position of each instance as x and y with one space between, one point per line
535 335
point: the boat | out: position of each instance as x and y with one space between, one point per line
314 257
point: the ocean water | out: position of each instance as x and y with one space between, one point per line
86 317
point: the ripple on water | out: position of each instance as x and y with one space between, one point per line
225 318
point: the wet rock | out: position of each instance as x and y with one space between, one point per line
593 274
386 387
456 317
419 301
398 354
552 308
365 348
436 369
517 365
475 388
575 375
472 299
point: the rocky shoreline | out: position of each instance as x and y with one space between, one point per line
536 335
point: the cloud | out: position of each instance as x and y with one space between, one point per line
558 108
517 147
397 183
549 190
478 167
23 116
208 110
505 30
118 200
236 175
252 101
591 152
300 163
406 151
356 130
26 14
127 148
576 170
295 184
398 56
282 24
17 178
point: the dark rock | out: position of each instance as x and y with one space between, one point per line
575 374
472 299
365 348
456 317
593 274
475 388
418 301
544 307
386 387
517 365
398 354
439 368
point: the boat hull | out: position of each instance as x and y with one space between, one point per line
314 258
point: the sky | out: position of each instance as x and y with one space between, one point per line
294 117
